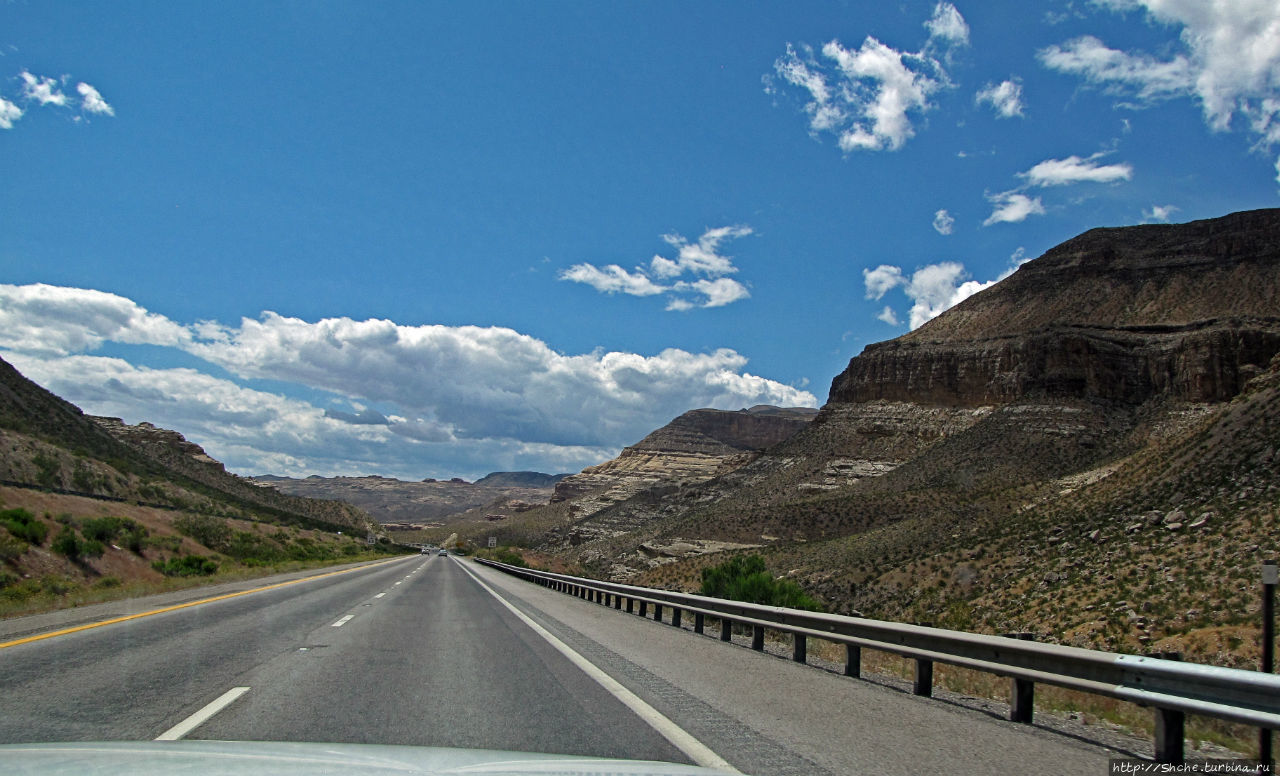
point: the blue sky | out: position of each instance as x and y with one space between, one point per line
442 239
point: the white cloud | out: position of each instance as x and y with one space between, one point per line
881 280
1012 207
943 222
721 291
882 88
866 97
41 89
1151 78
948 25
1005 97
9 113
56 320
92 100
701 258
1161 213
1230 62
932 289
612 279
426 398
1073 169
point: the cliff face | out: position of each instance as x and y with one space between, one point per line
1186 311
698 445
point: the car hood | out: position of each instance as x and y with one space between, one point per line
237 758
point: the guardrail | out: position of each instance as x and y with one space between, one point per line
1171 688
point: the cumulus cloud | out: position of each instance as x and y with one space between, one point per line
45 91
613 279
699 258
1005 97
866 96
42 89
932 289
442 393
9 113
943 222
948 25
92 101
1011 207
1161 213
1230 61
1073 169
56 320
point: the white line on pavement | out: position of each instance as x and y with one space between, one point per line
697 751
200 717
343 621
379 595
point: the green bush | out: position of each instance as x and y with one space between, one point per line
212 532
186 566
24 525
746 578
108 529
11 547
67 543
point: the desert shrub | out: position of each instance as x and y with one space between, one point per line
746 578
67 543
11 547
24 525
108 529
186 566
212 532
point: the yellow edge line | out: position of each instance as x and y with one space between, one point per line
126 618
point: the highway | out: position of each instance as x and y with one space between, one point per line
437 651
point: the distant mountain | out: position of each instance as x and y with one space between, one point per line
692 448
49 443
519 480
1097 430
389 500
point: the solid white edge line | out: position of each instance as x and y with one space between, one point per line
200 717
342 622
697 751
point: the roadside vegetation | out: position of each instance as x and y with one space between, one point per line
59 551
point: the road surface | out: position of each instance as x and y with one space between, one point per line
438 651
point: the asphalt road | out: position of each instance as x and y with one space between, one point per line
430 650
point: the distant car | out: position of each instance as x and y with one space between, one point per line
424 550
443 551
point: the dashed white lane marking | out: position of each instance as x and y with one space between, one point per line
379 595
401 582
343 621
697 751
200 717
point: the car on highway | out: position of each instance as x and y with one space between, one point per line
443 551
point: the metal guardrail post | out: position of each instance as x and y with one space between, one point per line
698 622
657 612
1022 698
631 606
675 617
757 638
617 602
1170 732
644 608
800 648
726 629
852 660
1270 576
923 684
